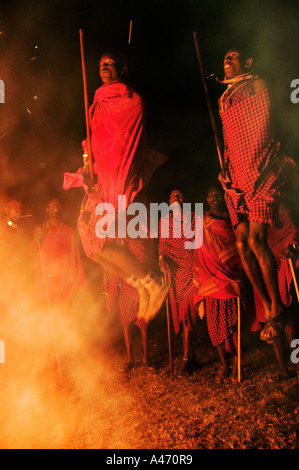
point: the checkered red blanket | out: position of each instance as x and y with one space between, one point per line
178 258
258 170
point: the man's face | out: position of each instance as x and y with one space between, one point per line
232 65
13 210
108 69
215 198
176 196
54 207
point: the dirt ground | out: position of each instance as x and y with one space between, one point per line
71 393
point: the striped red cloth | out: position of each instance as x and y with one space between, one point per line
219 279
218 270
180 261
222 318
258 170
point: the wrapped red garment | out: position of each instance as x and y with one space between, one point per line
178 258
123 164
180 262
59 260
218 270
259 172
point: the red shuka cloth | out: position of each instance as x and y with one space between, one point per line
62 263
259 172
180 261
218 270
218 279
123 164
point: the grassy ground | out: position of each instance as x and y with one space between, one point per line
88 403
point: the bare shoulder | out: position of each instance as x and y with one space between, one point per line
259 84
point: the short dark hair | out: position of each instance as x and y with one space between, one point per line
120 61
243 52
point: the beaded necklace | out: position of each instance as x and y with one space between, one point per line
51 233
230 83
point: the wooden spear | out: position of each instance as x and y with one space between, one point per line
218 146
168 331
214 127
86 106
50 312
239 339
130 32
294 278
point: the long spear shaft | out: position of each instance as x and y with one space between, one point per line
214 127
239 338
218 146
86 107
168 332
50 312
294 278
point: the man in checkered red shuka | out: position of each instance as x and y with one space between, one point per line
255 177
176 262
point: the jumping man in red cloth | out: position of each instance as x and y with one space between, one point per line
123 165
256 176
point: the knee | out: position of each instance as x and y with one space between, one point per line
241 244
256 242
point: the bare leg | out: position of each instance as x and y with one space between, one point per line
258 243
152 292
235 366
226 370
282 367
186 342
120 261
189 362
251 266
143 334
127 338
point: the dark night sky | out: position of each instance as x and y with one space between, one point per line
41 137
